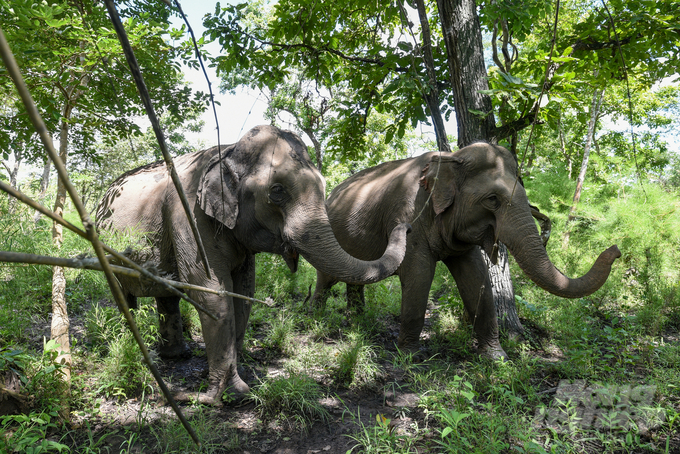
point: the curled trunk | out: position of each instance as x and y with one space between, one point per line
523 240
316 242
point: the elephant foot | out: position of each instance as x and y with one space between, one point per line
415 350
493 352
201 398
174 351
237 387
213 396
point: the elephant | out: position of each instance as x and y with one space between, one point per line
261 194
458 204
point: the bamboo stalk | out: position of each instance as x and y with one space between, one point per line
150 112
92 263
39 125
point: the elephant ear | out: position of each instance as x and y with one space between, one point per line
441 177
218 190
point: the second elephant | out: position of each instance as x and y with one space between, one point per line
457 203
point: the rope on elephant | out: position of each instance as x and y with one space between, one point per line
434 185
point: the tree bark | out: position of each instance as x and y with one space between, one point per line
317 148
598 96
60 320
13 174
463 38
504 293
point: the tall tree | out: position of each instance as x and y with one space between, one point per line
598 96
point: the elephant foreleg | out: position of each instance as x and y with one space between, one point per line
244 284
172 343
220 347
472 277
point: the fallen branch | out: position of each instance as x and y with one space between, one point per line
92 263
18 396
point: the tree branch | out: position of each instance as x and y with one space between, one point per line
4 163
92 263
319 50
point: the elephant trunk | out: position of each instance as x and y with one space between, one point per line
313 237
518 231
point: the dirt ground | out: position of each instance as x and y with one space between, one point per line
349 410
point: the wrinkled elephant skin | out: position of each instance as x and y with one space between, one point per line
261 194
458 203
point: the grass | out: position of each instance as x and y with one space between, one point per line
215 435
355 363
292 400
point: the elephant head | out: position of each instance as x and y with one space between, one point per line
478 199
267 190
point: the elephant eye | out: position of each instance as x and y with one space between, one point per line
493 201
277 193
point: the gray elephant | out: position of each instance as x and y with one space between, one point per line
457 203
262 194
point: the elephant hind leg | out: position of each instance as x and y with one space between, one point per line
172 343
324 283
131 301
355 298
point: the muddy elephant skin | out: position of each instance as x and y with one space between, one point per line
261 194
458 204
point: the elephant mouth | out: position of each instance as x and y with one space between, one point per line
291 257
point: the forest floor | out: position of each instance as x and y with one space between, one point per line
135 425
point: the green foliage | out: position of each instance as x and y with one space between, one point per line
215 435
29 433
122 372
280 333
356 364
381 438
294 400
332 66
74 47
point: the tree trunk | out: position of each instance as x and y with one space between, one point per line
598 96
475 119
464 46
13 175
60 319
44 184
504 293
563 147
317 148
